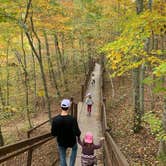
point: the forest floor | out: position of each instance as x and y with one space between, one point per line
140 149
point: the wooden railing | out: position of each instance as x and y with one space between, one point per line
17 154
73 108
87 79
33 132
35 149
113 156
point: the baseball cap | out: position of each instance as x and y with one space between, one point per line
88 137
88 94
65 103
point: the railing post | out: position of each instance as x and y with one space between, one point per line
29 157
75 110
86 80
1 138
82 92
72 107
104 101
102 119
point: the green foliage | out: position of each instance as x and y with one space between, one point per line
10 138
162 158
148 80
6 112
160 70
155 125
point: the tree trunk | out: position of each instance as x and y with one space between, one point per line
34 74
74 64
162 146
136 83
23 64
7 76
48 55
152 103
60 60
136 100
26 81
82 53
139 6
1 138
150 5
57 60
1 96
113 88
142 77
50 65
45 88
63 49
59 52
38 55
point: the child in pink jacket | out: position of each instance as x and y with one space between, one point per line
88 157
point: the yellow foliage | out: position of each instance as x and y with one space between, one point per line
40 93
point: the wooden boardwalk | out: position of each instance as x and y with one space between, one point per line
91 123
113 155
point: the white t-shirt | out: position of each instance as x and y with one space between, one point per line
89 101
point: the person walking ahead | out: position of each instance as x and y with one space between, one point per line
89 102
65 128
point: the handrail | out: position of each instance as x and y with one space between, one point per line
9 151
119 157
22 144
24 150
113 155
30 144
15 153
87 80
34 128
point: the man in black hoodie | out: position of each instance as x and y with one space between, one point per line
65 129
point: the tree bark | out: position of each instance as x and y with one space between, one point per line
50 65
26 81
136 83
1 96
23 64
139 6
136 100
82 52
162 146
48 55
34 74
150 5
60 60
142 77
7 76
38 55
1 138
152 103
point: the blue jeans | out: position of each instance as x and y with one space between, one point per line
62 153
